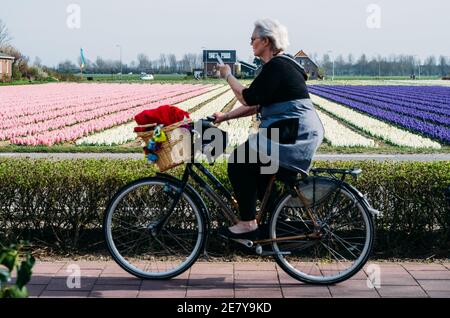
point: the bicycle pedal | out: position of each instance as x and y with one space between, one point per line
246 243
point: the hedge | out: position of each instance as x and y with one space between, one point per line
59 205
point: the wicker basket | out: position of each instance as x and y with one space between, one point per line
165 154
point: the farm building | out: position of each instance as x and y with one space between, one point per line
311 67
6 62
210 61
246 70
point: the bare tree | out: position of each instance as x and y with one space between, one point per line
4 35
37 61
144 64
162 63
172 60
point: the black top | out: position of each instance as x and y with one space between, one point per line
281 79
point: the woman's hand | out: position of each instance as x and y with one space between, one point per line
220 117
224 70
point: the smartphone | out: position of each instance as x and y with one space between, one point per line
219 59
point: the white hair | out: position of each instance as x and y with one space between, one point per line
274 31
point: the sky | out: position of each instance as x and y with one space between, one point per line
55 30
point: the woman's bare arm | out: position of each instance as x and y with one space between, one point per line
242 111
237 89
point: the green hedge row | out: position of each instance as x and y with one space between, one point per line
59 205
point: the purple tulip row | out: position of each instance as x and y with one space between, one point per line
371 107
409 109
417 102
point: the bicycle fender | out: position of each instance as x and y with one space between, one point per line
363 198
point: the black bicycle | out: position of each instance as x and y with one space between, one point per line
320 229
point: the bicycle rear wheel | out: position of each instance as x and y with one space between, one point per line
148 239
332 254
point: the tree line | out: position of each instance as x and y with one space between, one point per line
165 64
393 65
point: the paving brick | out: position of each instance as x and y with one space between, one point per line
305 291
64 294
164 293
351 286
47 267
219 292
267 276
359 275
438 294
116 291
424 267
35 290
40 279
430 274
212 268
61 284
401 291
86 265
118 279
154 285
83 272
435 285
210 280
353 294
261 292
255 267
398 280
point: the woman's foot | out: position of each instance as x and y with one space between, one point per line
242 230
244 227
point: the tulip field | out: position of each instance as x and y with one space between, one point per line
370 116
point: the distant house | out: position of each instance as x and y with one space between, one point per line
245 69
311 67
210 61
6 62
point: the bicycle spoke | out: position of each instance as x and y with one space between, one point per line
134 238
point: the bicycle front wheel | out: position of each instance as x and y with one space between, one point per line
149 235
330 251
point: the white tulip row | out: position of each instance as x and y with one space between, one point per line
114 136
216 105
374 126
125 133
237 129
339 135
191 103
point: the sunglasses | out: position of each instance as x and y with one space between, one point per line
253 39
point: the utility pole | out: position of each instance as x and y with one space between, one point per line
330 51
205 67
120 47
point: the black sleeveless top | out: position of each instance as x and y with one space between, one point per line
281 79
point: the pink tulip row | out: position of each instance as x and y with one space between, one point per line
98 123
55 119
17 101
93 105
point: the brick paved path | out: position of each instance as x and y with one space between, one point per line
227 280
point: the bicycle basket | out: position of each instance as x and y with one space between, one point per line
176 150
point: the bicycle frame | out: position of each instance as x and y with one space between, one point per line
228 212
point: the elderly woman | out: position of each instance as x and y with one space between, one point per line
280 96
